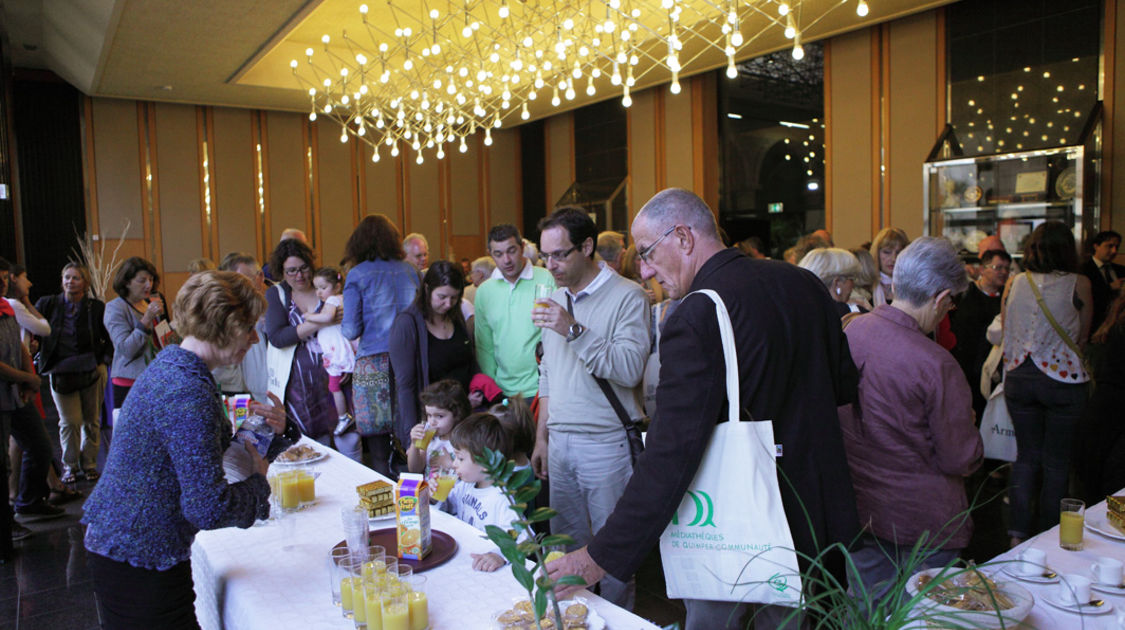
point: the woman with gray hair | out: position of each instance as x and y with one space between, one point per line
910 438
837 269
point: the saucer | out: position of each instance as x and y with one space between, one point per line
1084 609
1034 579
1112 589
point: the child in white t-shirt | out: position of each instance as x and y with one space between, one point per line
474 499
337 352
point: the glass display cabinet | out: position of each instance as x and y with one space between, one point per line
1010 194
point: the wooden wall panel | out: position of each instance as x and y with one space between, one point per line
642 148
560 156
233 173
1114 133
850 156
425 199
913 116
117 167
334 187
286 164
502 202
178 161
465 186
678 138
381 186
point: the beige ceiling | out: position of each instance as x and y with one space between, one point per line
237 52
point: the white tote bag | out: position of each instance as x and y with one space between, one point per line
996 430
729 539
279 361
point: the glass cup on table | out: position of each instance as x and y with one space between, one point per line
335 557
417 603
1071 518
374 561
306 486
446 479
354 520
288 485
348 573
396 612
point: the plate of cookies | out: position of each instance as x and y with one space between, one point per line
576 615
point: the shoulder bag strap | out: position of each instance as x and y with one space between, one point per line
1051 318
610 395
730 354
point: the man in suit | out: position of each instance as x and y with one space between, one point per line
1105 276
794 369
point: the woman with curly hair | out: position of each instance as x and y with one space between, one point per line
380 285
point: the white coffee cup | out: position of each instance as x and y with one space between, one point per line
1108 571
1074 589
1033 561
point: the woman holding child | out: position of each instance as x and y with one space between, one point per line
429 342
296 368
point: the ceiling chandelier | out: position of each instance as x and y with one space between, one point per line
427 74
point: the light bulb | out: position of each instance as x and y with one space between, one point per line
488 138
344 137
783 8
861 9
464 147
375 156
627 100
675 87
440 153
798 51
736 38
524 114
312 116
790 28
504 11
732 72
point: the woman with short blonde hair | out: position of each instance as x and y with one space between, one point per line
837 268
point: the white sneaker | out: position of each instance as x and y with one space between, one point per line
345 422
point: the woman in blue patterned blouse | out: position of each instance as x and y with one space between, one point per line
164 478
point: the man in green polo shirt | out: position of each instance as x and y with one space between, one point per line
505 335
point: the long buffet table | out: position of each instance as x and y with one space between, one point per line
1044 616
244 579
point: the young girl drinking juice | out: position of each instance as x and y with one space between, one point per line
338 352
430 451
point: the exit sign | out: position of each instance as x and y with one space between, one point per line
775 208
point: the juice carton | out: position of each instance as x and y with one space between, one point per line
412 514
238 406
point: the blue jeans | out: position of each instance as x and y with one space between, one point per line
1045 414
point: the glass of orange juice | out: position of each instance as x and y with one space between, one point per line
424 443
306 486
288 483
396 612
542 294
1071 518
417 603
446 479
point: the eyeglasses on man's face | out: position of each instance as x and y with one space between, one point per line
646 254
558 256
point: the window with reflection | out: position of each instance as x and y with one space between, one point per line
771 131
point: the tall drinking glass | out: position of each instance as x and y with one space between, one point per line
1071 518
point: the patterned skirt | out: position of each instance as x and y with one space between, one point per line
373 398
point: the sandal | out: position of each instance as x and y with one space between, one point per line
91 475
66 495
68 478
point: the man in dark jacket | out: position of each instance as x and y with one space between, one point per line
794 369
1105 275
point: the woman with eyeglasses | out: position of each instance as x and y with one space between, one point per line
837 268
293 357
380 285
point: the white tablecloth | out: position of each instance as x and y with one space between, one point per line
243 578
1043 615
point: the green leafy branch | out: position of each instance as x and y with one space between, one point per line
522 543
